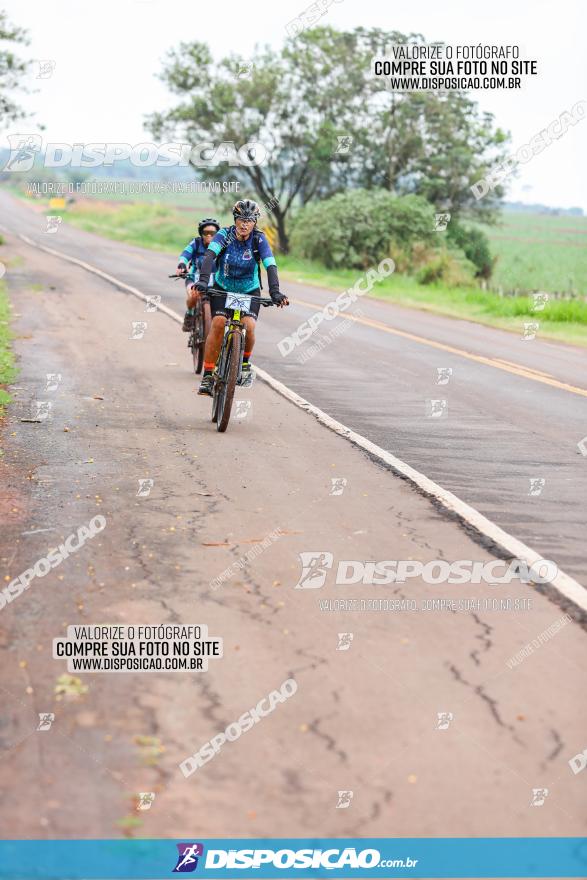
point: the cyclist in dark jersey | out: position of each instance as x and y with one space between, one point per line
233 249
189 265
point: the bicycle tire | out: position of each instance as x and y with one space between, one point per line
233 359
198 340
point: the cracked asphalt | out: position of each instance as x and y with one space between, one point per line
363 720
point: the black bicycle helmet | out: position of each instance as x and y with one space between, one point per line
246 209
207 221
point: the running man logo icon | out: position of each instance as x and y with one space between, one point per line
344 641
530 330
153 302
539 795
145 487
46 68
245 69
187 860
46 719
145 799
41 410
443 375
444 719
540 300
23 149
436 409
53 223
344 145
53 380
138 329
537 484
582 446
337 485
243 409
441 221
344 800
314 567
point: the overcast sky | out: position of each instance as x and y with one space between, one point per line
107 56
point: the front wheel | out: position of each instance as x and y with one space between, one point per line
226 395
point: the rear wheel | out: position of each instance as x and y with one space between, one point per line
226 396
198 340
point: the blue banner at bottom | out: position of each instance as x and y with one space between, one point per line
452 857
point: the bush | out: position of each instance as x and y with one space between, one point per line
353 230
447 267
475 246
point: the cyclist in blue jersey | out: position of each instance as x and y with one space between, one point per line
237 251
190 263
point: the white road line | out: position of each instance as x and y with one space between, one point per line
563 583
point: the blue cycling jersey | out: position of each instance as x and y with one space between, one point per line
193 254
236 269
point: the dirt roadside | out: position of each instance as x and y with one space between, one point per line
362 720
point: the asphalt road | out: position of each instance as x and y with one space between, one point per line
364 719
504 425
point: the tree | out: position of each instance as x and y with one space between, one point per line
299 102
12 70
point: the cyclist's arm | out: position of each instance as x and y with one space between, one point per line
268 261
212 250
187 255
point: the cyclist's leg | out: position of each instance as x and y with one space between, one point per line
192 297
213 342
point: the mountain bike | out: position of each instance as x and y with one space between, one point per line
229 364
201 328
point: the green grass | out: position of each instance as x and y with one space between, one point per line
539 252
547 261
564 320
7 365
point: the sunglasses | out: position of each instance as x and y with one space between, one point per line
209 232
244 220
